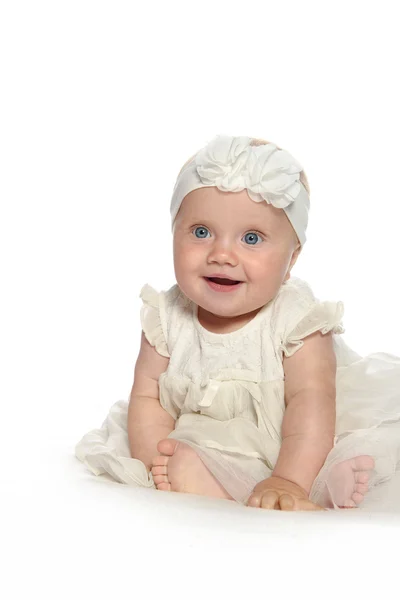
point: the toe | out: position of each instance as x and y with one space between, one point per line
165 487
159 470
167 446
357 498
361 488
160 461
363 463
361 477
160 479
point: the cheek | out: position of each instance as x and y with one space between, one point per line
257 263
271 262
187 256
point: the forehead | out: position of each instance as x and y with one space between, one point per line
233 207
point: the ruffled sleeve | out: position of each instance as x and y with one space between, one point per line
305 314
153 319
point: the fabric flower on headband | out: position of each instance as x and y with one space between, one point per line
269 174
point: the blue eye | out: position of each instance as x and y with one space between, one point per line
202 230
252 235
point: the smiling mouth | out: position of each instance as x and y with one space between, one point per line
223 281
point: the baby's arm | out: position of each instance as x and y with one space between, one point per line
148 422
308 427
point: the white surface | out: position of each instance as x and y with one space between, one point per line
73 535
87 90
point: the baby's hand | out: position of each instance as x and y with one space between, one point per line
280 494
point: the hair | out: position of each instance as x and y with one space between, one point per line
261 142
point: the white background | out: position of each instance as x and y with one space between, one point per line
101 104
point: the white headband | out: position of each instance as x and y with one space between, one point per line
231 164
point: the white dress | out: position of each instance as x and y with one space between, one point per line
226 392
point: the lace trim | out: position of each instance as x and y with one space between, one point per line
153 319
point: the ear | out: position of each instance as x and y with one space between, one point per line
293 260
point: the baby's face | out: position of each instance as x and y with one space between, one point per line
228 233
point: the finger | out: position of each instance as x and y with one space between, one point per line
254 500
160 461
269 499
159 470
287 502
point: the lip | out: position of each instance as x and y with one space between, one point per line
222 288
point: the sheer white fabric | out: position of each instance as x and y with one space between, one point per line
226 392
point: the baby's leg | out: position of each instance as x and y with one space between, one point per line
359 461
181 470
347 482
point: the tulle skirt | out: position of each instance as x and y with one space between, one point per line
368 424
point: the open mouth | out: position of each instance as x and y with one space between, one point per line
222 281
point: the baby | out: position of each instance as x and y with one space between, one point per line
243 388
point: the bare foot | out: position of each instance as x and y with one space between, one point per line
347 482
181 470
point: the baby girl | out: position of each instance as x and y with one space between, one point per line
243 387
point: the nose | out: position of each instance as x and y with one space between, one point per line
223 252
